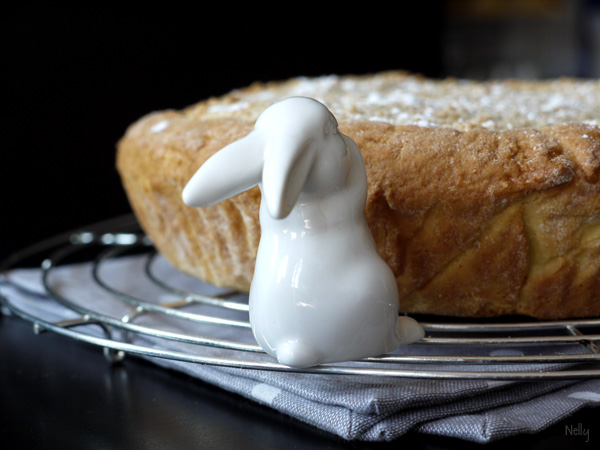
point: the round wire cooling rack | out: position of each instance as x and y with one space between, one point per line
452 349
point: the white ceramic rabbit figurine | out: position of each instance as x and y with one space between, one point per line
320 291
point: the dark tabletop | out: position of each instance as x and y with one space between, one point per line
59 393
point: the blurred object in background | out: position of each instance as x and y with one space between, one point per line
592 43
521 38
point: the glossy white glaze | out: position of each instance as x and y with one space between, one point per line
320 291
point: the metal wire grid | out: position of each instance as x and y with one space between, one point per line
115 237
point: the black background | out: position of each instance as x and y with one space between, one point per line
77 76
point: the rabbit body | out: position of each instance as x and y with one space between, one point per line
320 291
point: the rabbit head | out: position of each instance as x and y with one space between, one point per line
279 154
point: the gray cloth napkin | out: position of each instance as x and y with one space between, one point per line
354 407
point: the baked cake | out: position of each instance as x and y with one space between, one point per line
484 197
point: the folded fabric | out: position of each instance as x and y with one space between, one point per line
354 407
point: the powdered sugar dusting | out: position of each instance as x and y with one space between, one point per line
228 108
159 126
461 104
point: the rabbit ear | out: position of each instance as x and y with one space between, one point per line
232 170
287 164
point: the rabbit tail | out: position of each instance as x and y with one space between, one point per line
408 330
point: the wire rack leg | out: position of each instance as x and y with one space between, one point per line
112 355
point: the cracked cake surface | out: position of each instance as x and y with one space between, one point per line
483 197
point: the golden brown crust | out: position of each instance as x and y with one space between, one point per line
473 222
